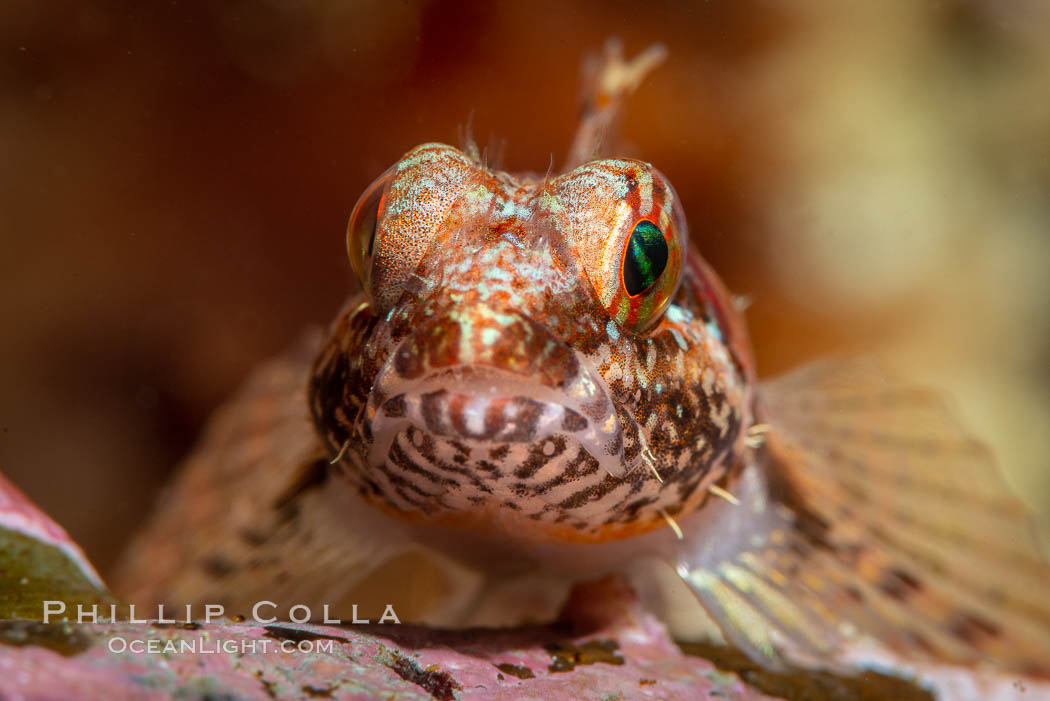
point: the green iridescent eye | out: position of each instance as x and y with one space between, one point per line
644 259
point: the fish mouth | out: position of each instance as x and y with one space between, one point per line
485 404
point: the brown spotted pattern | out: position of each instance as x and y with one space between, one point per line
494 372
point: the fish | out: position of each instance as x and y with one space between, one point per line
543 374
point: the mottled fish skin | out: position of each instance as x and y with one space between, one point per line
518 401
542 373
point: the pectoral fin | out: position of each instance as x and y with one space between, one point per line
868 509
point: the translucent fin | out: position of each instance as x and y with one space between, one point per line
607 79
869 509
253 516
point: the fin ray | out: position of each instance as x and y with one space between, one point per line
868 507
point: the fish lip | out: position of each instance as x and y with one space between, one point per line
396 403
483 381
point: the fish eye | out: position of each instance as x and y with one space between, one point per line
363 227
650 266
644 258
624 225
400 214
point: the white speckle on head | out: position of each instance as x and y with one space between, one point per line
489 336
612 332
714 330
551 203
677 315
645 190
510 208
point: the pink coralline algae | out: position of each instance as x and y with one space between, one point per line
605 648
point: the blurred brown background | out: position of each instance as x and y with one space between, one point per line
176 179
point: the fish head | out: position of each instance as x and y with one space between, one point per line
546 357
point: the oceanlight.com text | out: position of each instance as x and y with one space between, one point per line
199 646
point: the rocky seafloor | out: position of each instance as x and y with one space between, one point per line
605 646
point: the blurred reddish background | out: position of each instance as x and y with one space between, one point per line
177 176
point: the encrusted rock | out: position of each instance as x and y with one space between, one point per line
39 562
